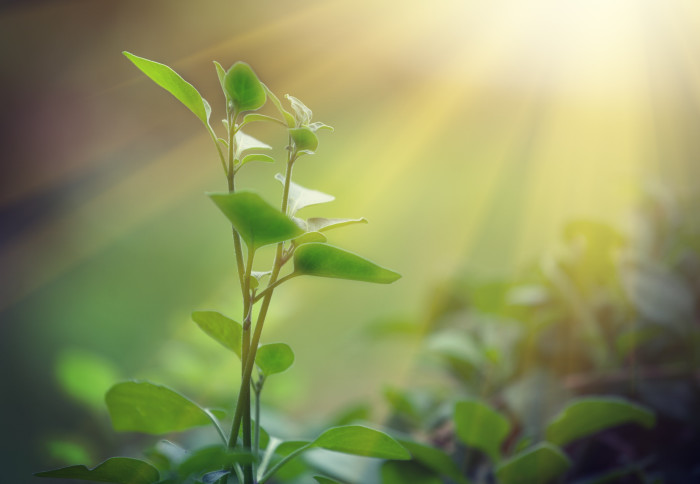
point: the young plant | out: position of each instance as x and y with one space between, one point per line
247 455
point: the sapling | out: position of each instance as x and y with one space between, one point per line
247 454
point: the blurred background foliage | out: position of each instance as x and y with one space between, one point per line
469 133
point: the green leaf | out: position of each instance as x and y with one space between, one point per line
303 139
152 409
319 224
309 238
255 117
212 458
407 472
434 459
274 358
318 126
275 100
221 74
300 197
302 114
481 427
257 276
120 470
326 480
586 416
258 222
171 81
222 329
359 440
244 88
85 376
537 465
257 157
327 261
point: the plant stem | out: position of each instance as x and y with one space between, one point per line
286 459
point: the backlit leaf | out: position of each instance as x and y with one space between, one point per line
256 118
245 142
257 157
586 416
221 74
152 409
481 427
302 114
224 330
275 100
244 88
120 470
309 238
304 139
300 197
274 358
320 224
359 440
258 222
537 465
318 126
327 261
171 81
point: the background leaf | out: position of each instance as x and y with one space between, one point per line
258 222
359 440
327 261
152 409
481 427
222 329
120 470
586 416
434 459
171 81
407 472
537 465
274 358
325 480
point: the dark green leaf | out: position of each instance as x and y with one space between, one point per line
327 261
258 222
586 416
152 409
318 224
326 480
538 465
407 472
434 459
257 157
244 88
212 458
171 81
274 358
224 330
300 197
304 139
120 470
359 440
481 427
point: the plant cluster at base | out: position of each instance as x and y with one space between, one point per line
247 454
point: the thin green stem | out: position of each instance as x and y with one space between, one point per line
217 425
256 435
218 148
271 287
286 459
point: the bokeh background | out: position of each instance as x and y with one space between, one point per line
466 131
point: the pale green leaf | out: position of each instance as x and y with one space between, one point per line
171 81
275 100
586 416
300 197
152 409
222 329
119 470
274 358
320 224
257 157
304 139
243 87
327 261
359 440
309 238
302 114
221 74
481 427
258 222
318 126
255 118
538 465
245 142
